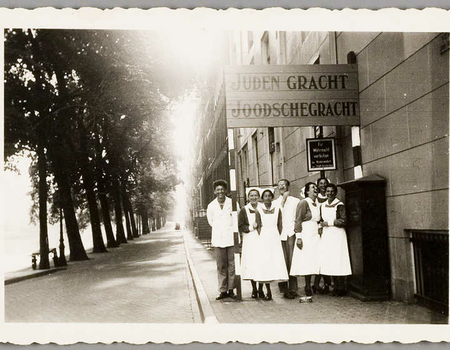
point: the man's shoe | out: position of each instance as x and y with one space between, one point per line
288 295
231 294
222 295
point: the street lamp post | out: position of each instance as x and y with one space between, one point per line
62 256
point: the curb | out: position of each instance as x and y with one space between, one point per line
206 312
31 275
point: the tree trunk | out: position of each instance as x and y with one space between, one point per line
158 222
145 227
97 238
111 241
77 251
129 207
153 224
88 182
44 262
127 221
120 233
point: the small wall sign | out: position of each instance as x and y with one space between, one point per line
321 154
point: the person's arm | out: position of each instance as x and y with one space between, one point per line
341 217
243 224
209 215
300 214
280 222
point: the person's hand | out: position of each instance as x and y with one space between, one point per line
255 225
299 243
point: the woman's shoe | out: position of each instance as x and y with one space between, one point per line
261 294
255 295
308 291
325 289
268 296
335 293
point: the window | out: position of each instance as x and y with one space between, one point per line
244 165
271 133
271 140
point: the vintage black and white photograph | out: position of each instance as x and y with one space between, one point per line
225 176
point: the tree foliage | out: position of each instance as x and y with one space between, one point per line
93 106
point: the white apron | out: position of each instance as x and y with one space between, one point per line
271 266
306 261
250 247
335 260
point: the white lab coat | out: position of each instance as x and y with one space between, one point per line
221 221
288 215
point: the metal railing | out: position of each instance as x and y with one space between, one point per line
430 249
203 230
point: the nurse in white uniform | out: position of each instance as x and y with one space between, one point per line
335 259
272 266
249 224
305 261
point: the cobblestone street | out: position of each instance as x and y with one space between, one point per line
324 309
145 280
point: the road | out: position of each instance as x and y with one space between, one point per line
145 280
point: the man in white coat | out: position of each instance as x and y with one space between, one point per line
288 205
219 215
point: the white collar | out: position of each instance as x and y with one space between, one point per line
272 206
333 203
249 206
311 201
227 200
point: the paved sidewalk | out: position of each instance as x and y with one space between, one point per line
324 309
145 280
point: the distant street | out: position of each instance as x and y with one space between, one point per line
145 280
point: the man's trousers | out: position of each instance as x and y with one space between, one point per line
288 250
225 268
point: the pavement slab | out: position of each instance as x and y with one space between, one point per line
145 280
325 309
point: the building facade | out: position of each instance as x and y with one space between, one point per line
404 122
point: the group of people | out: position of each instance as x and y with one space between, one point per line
282 239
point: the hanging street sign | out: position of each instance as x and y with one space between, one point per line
321 154
291 95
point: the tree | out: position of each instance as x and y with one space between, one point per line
92 105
